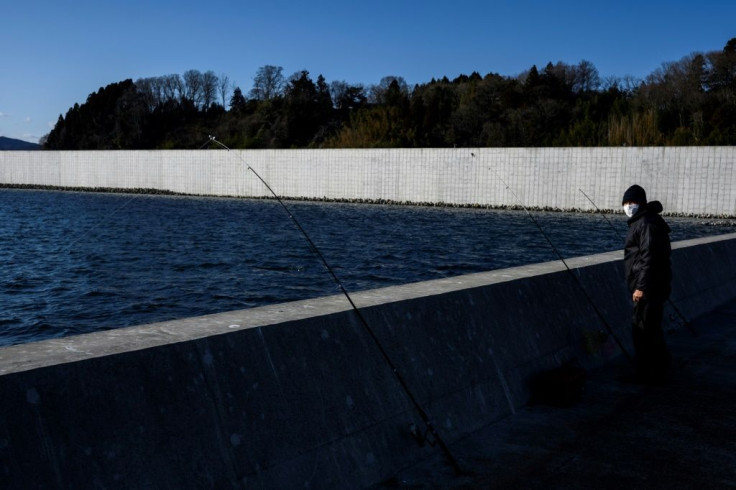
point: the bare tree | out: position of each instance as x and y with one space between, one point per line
209 88
193 82
172 87
627 83
224 88
268 83
148 88
585 78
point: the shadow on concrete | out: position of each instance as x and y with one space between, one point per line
680 435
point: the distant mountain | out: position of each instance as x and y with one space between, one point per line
13 144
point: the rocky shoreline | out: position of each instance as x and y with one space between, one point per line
714 220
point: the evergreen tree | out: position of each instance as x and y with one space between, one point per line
237 102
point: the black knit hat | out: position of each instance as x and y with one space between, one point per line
635 194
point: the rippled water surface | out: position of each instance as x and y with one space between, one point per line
79 262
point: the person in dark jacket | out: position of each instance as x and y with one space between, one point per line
649 277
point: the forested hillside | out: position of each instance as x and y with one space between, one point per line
688 102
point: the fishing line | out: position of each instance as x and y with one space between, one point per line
423 415
559 255
107 216
622 238
95 225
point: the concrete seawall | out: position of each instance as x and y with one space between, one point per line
688 180
298 395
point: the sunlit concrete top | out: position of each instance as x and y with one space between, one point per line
79 347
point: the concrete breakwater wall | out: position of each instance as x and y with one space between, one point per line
298 394
688 180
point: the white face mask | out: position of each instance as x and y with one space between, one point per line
631 209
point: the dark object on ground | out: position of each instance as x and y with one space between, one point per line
558 387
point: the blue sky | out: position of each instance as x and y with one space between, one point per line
57 52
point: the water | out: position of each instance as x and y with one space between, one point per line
78 262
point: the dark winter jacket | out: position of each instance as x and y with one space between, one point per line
647 253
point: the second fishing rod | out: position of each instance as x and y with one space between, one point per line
430 428
580 285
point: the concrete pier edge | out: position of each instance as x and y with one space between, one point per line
296 394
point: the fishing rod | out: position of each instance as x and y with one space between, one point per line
431 430
684 320
567 267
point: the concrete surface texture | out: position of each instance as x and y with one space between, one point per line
299 394
687 180
677 435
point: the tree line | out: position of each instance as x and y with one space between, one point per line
688 102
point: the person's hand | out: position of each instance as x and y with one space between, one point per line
638 294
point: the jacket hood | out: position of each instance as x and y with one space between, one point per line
655 207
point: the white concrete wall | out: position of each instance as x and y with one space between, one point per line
688 180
